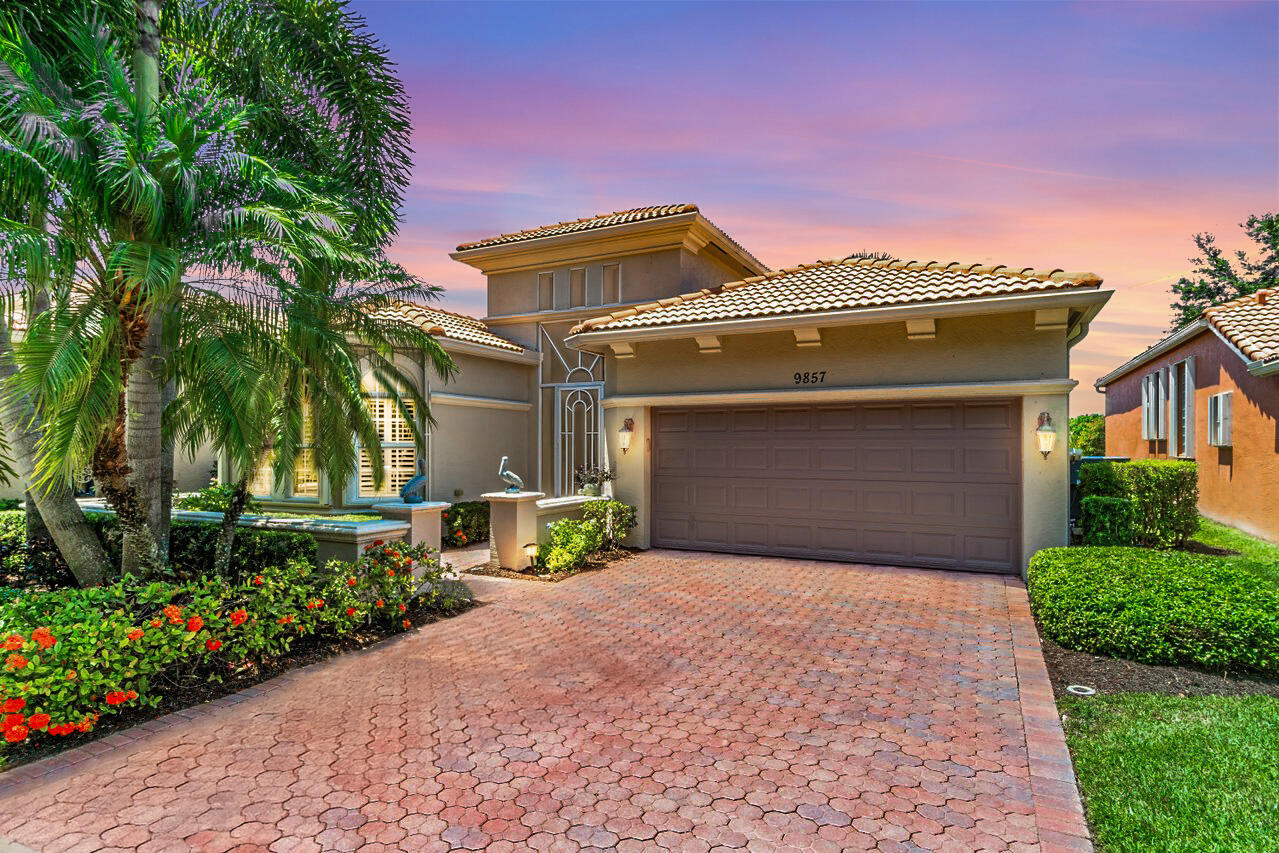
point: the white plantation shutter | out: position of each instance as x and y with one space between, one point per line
399 456
1173 402
1189 449
1227 418
1146 404
1161 404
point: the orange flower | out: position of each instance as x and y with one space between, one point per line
117 697
156 623
195 623
315 604
350 581
379 603
135 634
238 617
390 573
284 620
71 675
38 721
174 613
407 623
43 637
402 608
16 662
12 705
132 694
13 643
12 720
213 645
84 726
15 734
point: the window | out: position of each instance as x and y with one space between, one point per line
545 291
612 283
577 287
561 289
1154 397
1168 407
306 477
1220 419
399 456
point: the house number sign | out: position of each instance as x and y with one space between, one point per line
815 377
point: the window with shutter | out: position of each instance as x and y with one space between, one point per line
1219 419
545 291
612 283
399 455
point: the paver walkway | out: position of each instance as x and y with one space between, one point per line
676 700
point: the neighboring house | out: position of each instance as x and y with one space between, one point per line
1209 392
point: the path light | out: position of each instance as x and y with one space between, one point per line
624 434
530 551
1046 434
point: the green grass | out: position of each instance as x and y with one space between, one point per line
1178 774
351 516
1261 557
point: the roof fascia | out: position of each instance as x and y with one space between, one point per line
1081 298
1171 342
453 345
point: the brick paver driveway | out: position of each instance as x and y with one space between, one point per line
678 700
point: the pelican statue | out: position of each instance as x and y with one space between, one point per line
516 484
409 494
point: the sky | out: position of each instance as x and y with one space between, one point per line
1080 136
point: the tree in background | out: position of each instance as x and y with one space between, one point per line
1219 279
1088 434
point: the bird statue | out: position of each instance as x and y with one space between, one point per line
409 494
516 484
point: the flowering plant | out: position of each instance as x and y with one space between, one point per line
464 523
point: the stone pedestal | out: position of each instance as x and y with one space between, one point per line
423 520
512 525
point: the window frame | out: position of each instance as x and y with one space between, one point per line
1221 419
355 490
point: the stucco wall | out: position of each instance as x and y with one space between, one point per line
968 349
466 446
647 276
1238 485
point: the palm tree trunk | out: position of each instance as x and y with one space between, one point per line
230 521
141 519
56 506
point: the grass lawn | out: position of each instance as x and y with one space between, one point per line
1178 774
1257 552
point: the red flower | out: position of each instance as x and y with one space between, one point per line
132 694
407 623
402 608
377 542
195 623
444 515
378 603
84 726
238 617
43 637
284 620
135 634
315 604
13 643
350 581
257 581
15 734
390 573
38 721
116 697
213 645
12 705
12 720
174 613
350 611
156 623
16 662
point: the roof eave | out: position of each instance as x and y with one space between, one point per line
1264 367
1152 352
1075 297
456 345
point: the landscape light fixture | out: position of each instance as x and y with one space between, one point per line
1046 434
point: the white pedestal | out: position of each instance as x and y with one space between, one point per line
512 525
423 520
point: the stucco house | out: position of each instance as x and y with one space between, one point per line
1209 392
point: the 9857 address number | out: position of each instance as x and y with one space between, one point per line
816 377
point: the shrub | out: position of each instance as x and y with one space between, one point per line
616 519
72 655
571 542
215 498
1165 496
192 547
464 523
7 504
1088 434
1101 479
1107 521
1157 607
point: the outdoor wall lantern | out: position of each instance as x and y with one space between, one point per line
624 434
1046 434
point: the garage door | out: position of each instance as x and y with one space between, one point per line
916 484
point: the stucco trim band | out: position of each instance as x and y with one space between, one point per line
1013 388
439 398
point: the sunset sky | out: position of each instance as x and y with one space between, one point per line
1092 136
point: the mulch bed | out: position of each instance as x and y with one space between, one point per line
600 561
306 651
1112 675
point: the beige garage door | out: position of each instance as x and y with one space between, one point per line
917 484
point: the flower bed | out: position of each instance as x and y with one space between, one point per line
75 656
464 523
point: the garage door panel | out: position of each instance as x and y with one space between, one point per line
925 483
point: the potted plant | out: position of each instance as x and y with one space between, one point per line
591 478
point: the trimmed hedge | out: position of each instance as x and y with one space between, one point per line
571 542
1157 607
192 547
616 520
1107 521
1164 495
464 523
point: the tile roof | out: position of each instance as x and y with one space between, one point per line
589 223
1251 323
446 324
835 285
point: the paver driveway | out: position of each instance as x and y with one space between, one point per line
677 700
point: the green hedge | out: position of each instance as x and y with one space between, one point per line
464 523
1157 607
1164 494
616 519
192 547
1107 521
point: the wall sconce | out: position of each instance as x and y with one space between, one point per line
624 434
1046 434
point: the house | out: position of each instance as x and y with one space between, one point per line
1209 392
867 410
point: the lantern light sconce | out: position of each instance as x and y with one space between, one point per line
1046 434
624 434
